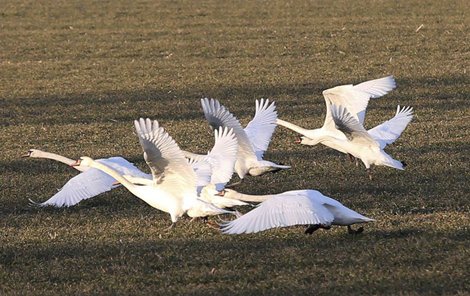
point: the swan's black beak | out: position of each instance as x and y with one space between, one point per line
77 163
26 155
298 141
220 193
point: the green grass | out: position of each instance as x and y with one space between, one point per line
74 74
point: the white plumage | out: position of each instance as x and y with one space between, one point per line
173 187
299 207
87 184
252 141
354 98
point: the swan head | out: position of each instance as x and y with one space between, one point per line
210 190
33 153
83 161
229 193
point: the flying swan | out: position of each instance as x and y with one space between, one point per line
354 98
253 141
89 183
298 207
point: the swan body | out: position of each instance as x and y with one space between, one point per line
89 183
354 98
253 141
298 207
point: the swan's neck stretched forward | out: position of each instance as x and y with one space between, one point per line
293 127
59 158
113 173
246 197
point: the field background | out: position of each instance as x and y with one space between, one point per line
74 74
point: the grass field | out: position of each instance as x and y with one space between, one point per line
74 74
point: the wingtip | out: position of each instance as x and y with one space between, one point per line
35 204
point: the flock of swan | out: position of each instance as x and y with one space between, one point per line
183 182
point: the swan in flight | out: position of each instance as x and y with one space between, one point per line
173 186
253 141
354 98
298 207
89 183
368 146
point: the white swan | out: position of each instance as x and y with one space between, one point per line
87 184
298 207
354 98
173 189
252 141
361 144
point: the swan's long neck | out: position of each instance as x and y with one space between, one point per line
57 157
292 126
113 173
247 197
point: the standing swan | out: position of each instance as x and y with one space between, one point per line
173 186
298 207
87 184
252 141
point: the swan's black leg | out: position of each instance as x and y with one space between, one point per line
357 231
369 173
314 227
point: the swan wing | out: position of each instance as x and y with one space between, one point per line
223 156
203 171
261 128
347 123
280 211
387 132
92 182
218 116
83 186
166 161
355 98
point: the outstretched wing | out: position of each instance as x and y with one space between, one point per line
387 132
261 128
218 116
356 98
202 169
83 186
347 124
166 161
280 211
218 164
223 156
91 183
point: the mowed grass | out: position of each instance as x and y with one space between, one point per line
75 74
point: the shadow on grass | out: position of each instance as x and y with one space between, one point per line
184 104
299 260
